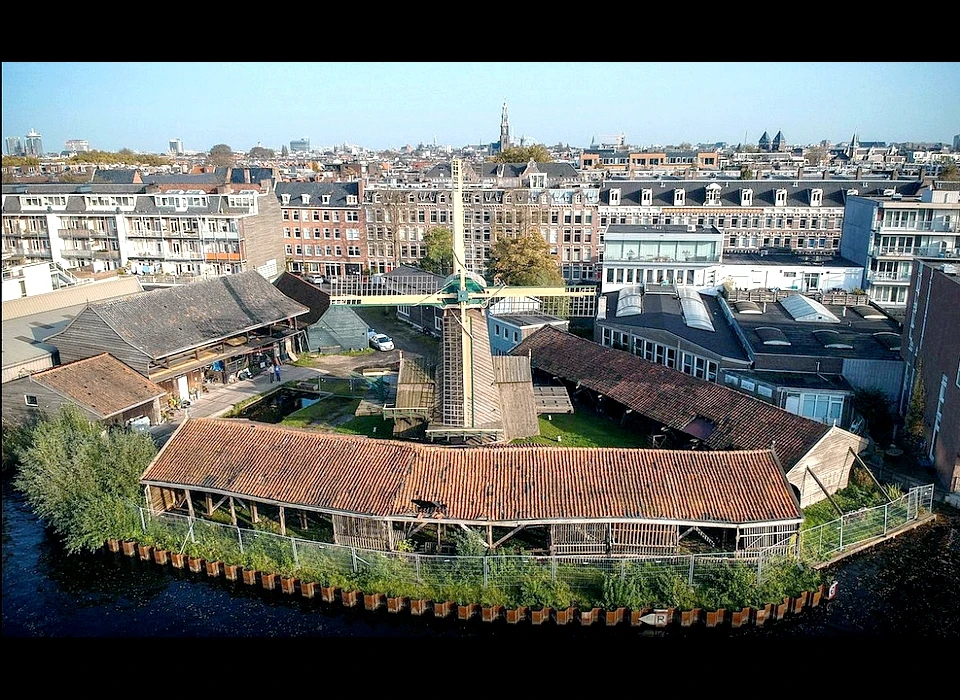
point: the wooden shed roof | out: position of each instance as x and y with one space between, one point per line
102 384
490 484
164 322
724 418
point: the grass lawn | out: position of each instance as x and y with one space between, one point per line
582 430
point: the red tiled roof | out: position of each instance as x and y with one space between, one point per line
499 484
101 383
673 398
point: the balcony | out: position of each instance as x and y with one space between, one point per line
143 233
875 276
84 233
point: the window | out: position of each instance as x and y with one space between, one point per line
31 400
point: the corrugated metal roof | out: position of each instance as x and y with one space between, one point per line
500 484
71 296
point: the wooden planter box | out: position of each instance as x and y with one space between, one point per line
145 551
161 556
688 618
308 589
213 568
328 594
397 604
490 613
816 597
443 609
738 618
538 617
129 547
763 614
780 610
288 584
588 617
515 615
178 560
231 571
350 598
250 577
716 617
195 564
113 545
467 611
615 617
637 615
420 606
566 616
374 601
268 581
799 603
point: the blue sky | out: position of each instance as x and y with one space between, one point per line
389 105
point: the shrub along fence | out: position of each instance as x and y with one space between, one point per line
716 580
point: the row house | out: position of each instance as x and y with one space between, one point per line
325 232
802 217
185 225
629 161
565 217
886 232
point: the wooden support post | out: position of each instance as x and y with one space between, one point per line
856 458
190 504
253 512
146 496
825 492
303 519
283 522
209 505
489 536
233 512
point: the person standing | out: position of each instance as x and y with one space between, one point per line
276 370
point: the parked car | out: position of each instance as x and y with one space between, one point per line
315 279
381 342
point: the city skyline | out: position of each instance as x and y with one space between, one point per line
143 106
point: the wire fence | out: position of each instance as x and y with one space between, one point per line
465 578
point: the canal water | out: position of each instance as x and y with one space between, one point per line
908 586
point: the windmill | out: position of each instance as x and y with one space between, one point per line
472 397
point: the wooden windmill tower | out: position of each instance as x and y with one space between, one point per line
472 396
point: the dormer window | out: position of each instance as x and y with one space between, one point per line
746 198
614 197
285 198
816 198
646 197
326 198
679 197
305 198
538 181
781 198
713 194
351 199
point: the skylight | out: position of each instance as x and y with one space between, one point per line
832 339
630 301
771 336
695 313
747 307
807 310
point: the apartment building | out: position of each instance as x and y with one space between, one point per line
631 162
887 231
190 225
931 350
324 232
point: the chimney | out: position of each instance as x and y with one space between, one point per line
246 175
859 173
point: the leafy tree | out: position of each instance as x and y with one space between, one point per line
525 261
439 256
220 156
127 155
746 173
20 161
913 421
523 154
81 480
261 153
949 171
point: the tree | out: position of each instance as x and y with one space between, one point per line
525 261
439 256
261 153
949 171
220 156
913 420
816 155
746 173
127 155
523 154
83 481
